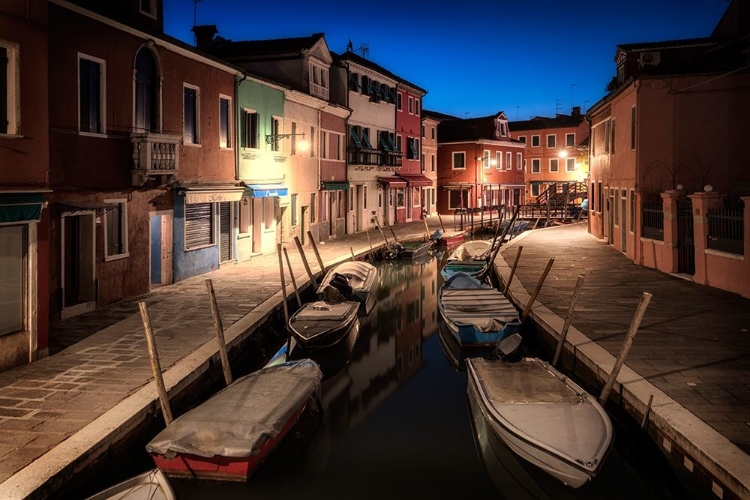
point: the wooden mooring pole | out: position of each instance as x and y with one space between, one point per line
369 241
382 233
304 261
393 233
568 319
441 222
315 250
155 366
536 290
283 284
512 270
294 281
219 327
637 318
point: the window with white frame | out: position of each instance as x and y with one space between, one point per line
225 122
553 165
486 158
551 140
319 86
199 225
399 101
249 130
399 144
416 107
432 163
535 189
535 141
339 146
91 94
244 221
275 131
413 152
190 114
570 140
519 161
508 160
411 105
522 139
324 144
458 198
499 160
459 160
116 230
536 165
148 7
570 164
9 91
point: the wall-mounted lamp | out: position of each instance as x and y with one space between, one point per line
680 187
493 162
563 153
708 188
274 138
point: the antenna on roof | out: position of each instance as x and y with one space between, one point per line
558 104
363 49
195 18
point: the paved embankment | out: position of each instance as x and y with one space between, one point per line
63 412
692 351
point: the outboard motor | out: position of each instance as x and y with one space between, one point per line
341 283
508 349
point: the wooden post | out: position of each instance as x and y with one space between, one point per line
304 261
536 290
283 284
294 281
644 420
639 313
549 202
441 222
315 250
568 319
426 230
513 270
495 251
155 366
369 241
380 228
385 219
536 223
219 327
352 251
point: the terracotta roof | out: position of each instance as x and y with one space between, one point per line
262 49
356 58
543 122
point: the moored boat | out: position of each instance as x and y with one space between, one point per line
151 485
413 251
361 277
451 239
542 416
469 257
476 314
322 324
230 435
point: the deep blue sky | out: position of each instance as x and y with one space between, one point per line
474 57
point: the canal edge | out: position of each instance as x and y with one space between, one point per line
715 463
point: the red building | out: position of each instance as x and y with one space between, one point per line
479 165
408 141
24 182
142 157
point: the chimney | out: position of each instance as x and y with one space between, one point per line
576 111
204 36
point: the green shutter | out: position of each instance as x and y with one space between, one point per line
383 142
354 136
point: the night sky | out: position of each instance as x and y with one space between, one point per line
474 57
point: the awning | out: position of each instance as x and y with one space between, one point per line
462 187
211 194
416 179
87 204
334 185
23 207
267 190
392 181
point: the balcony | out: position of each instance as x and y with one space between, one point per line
155 155
374 157
319 90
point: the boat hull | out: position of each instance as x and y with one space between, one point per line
451 240
151 485
318 331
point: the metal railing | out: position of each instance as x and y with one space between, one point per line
653 221
726 230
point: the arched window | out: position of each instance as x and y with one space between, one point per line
146 92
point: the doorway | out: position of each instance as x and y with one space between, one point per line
161 248
78 271
623 222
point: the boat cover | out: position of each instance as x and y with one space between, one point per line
359 274
240 418
540 403
471 250
466 300
320 311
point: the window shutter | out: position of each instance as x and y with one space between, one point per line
3 90
198 225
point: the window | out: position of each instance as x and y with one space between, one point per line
399 144
632 127
534 141
536 166
225 140
339 146
13 278
432 163
354 82
570 164
459 160
324 144
508 160
413 153
601 197
244 216
199 225
570 140
190 133
116 230
148 7
553 165
313 207
380 197
458 198
411 105
146 92
502 130
366 138
632 210
486 158
499 160
522 139
399 101
612 130
535 190
423 162
416 107
551 141
91 94
432 132
275 131
312 141
400 197
319 85
364 197
606 136
423 131
592 198
9 93
249 129
519 162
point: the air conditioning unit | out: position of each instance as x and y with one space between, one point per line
650 59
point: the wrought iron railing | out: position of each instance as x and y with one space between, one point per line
652 225
726 230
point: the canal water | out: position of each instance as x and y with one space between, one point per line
396 423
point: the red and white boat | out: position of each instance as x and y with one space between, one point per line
232 433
